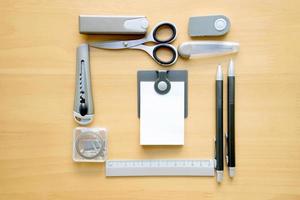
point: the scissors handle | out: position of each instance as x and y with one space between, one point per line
170 48
164 25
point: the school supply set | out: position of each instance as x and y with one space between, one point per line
162 95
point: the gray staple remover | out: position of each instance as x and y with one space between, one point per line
203 49
83 103
98 24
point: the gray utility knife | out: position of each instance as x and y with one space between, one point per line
99 24
83 102
207 49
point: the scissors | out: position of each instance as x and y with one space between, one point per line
151 37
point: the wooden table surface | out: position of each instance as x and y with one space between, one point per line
37 77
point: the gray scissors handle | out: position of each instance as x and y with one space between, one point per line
152 51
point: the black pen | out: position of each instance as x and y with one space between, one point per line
219 125
230 157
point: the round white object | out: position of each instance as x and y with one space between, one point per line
220 24
162 85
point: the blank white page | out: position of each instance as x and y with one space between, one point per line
161 116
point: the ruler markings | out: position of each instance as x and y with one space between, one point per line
160 168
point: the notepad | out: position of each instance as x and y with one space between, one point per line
162 116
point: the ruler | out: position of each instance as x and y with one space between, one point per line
160 168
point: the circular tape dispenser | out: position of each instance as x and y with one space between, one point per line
89 144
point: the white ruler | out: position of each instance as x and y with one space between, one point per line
160 168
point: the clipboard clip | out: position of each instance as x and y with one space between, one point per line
162 84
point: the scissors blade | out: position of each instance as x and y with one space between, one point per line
117 44
108 45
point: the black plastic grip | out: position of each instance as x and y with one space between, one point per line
165 46
172 36
231 121
219 126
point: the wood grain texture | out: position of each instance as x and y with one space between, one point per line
37 68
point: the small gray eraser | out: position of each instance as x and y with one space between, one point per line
213 25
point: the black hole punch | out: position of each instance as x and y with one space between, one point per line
158 28
163 62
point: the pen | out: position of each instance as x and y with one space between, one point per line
230 157
219 124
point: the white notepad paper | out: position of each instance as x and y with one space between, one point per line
162 116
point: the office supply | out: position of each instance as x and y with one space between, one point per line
202 49
214 25
83 102
98 24
153 36
219 125
160 168
230 136
162 113
89 144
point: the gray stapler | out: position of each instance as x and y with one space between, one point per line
83 102
99 24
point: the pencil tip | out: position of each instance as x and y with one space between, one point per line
231 68
219 73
